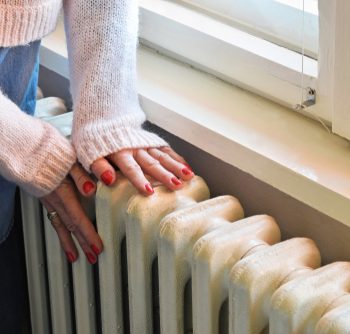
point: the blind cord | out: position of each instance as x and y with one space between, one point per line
302 105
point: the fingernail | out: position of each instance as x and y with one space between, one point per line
176 181
88 186
149 188
91 258
107 177
187 171
95 249
70 257
188 166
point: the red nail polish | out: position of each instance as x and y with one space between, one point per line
88 186
70 257
176 181
107 177
91 258
149 188
95 249
187 171
189 167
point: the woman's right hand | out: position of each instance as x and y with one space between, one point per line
71 218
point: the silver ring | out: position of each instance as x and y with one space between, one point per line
52 215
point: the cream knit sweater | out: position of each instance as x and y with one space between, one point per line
102 41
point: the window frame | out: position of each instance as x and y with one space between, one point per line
333 84
251 16
260 66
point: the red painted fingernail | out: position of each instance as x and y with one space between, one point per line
88 186
187 171
91 258
107 177
149 188
188 166
176 181
70 257
95 249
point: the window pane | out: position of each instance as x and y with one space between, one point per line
279 21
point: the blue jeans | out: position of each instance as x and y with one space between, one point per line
19 68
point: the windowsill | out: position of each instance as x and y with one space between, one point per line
290 152
245 60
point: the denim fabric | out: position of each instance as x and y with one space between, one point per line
19 68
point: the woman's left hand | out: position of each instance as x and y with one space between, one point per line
163 164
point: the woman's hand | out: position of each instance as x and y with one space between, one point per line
163 164
71 217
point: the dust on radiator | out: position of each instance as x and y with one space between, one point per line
179 262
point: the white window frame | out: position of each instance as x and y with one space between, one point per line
333 84
275 20
262 67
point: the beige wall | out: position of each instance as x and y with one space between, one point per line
294 218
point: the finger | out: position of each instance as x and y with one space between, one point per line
177 157
173 154
63 234
83 243
104 171
82 180
78 223
172 165
132 171
153 168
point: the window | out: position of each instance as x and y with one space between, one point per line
257 45
289 23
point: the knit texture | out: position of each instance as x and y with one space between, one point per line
33 154
102 42
24 21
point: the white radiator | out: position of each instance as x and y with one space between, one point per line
217 272
179 262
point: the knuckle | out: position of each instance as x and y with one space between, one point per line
167 149
163 157
81 179
84 246
138 154
132 168
72 227
152 164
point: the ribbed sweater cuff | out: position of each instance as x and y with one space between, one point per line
94 144
20 25
57 158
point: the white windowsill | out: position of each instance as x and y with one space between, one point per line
290 152
229 53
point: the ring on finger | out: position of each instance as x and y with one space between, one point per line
52 215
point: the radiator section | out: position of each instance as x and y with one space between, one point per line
36 264
255 278
214 256
299 305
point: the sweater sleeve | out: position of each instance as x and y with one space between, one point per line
33 154
102 43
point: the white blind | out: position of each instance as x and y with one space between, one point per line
282 22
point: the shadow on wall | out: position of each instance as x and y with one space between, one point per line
294 218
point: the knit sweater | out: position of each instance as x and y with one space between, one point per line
102 41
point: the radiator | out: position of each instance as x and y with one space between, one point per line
181 262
